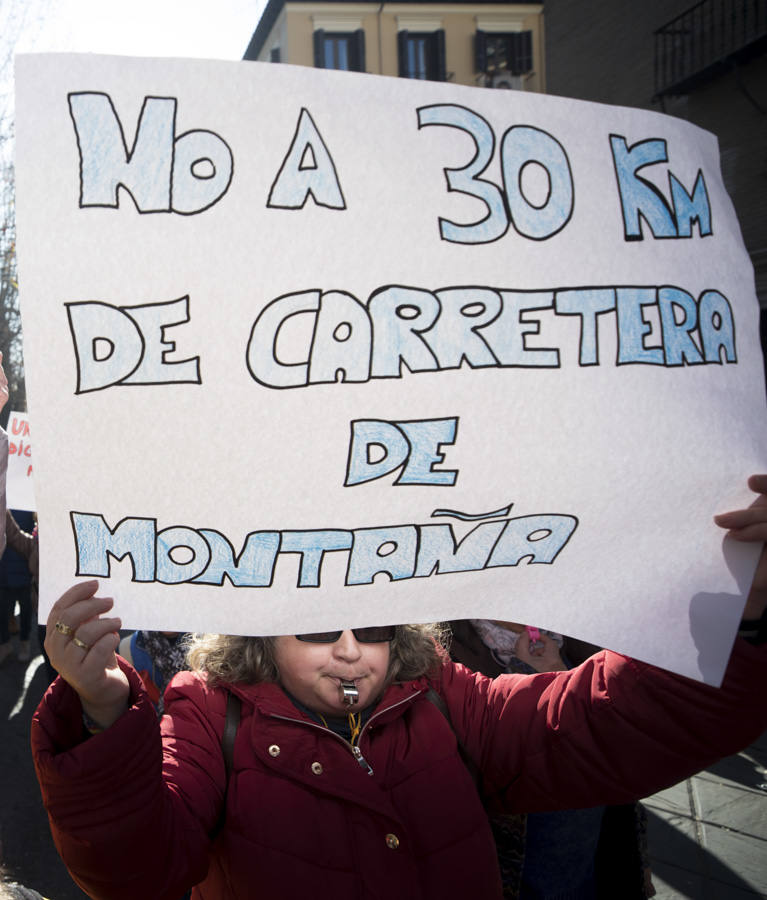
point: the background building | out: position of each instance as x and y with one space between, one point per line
493 44
705 62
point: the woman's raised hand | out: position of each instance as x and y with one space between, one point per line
751 525
81 643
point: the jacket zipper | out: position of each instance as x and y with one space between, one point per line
356 752
361 759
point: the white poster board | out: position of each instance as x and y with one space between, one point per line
20 488
308 349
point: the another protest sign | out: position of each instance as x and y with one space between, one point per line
20 490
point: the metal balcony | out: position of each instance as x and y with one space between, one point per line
705 41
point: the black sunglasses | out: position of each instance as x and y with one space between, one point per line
375 634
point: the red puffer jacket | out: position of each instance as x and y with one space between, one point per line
132 816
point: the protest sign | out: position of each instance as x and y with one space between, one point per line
309 349
20 491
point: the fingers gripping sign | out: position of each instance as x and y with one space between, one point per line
751 525
81 643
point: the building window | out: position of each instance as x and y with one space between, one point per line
274 54
422 55
339 50
504 52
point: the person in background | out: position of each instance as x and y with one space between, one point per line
581 854
157 656
26 544
6 649
16 580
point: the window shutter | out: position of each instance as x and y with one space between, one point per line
439 55
521 52
358 51
319 47
480 51
402 54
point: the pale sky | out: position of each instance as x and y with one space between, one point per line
216 29
204 29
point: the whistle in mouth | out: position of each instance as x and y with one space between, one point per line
349 693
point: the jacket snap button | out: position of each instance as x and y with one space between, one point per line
392 841
274 750
317 768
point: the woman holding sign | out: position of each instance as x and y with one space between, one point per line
357 763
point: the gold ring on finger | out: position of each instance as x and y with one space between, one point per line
78 643
63 628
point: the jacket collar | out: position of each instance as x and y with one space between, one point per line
271 700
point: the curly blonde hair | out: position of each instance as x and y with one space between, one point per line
228 658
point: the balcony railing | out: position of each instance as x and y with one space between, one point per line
707 40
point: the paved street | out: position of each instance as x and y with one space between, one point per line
27 848
708 835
